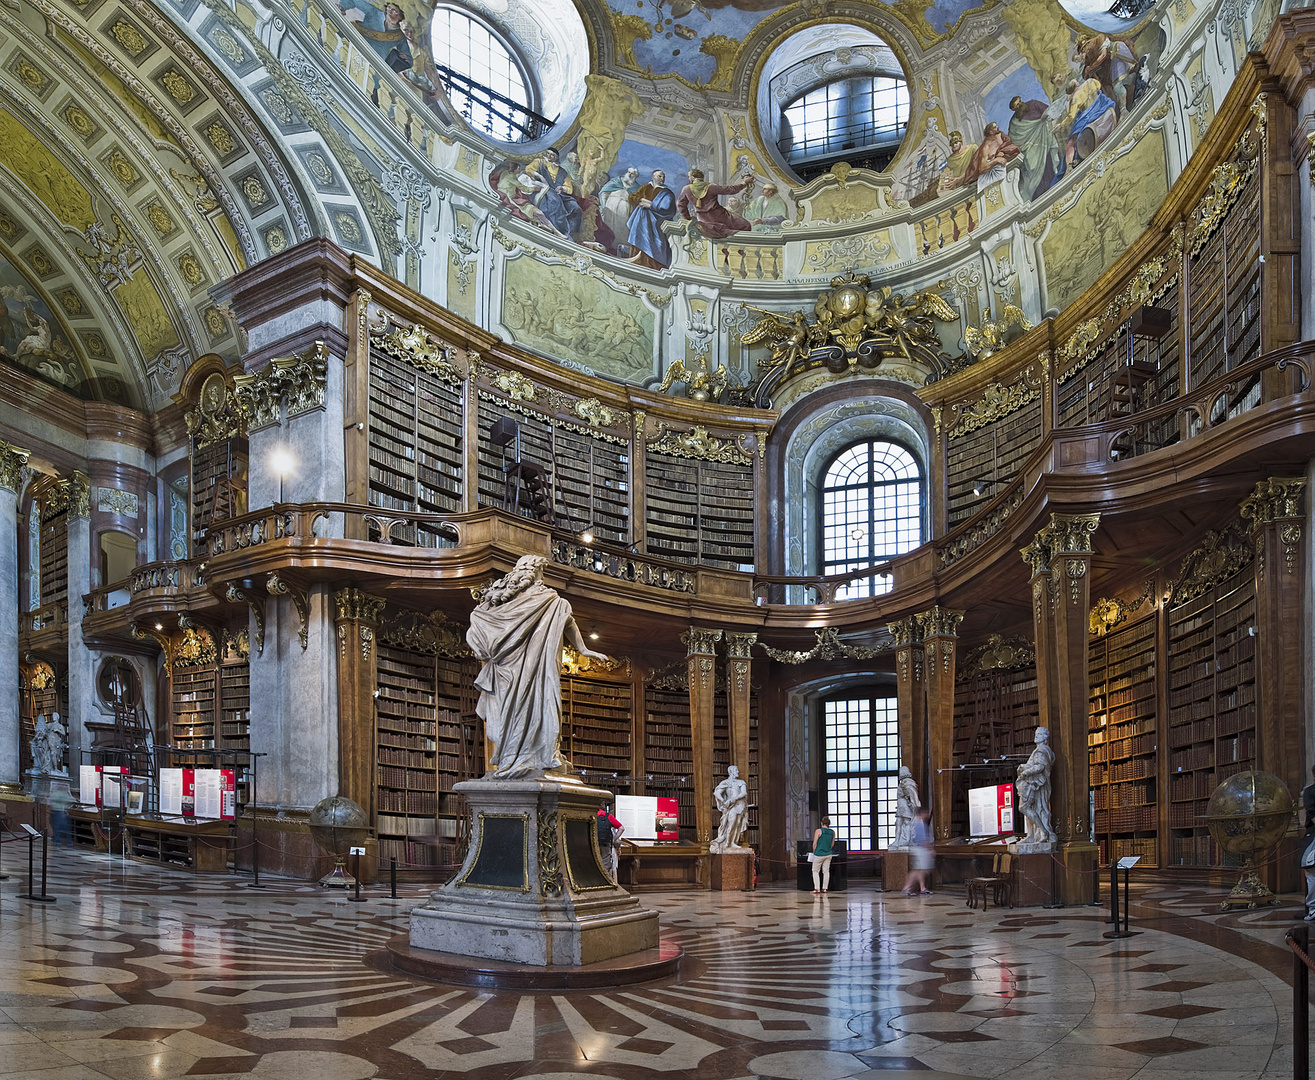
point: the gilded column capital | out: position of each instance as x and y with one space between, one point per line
939 622
1037 554
700 642
905 632
354 605
739 646
1070 534
1275 499
79 495
13 466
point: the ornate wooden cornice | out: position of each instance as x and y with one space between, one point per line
353 605
906 632
1222 555
430 634
700 642
1109 612
939 622
279 584
697 443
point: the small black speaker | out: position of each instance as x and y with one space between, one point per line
812 801
503 432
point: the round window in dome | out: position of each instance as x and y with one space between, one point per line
487 83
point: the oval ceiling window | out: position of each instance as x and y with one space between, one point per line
487 83
836 96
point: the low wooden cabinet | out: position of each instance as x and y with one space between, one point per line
203 845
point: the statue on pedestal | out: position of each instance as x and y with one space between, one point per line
517 629
1033 788
48 746
907 805
732 799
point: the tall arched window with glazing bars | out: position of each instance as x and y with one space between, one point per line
871 510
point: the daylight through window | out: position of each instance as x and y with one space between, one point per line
861 761
871 511
484 80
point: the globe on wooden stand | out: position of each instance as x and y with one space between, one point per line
337 824
1248 815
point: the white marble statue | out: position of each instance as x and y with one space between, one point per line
907 805
517 629
732 799
1033 788
48 746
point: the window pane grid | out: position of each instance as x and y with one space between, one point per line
471 49
861 764
871 511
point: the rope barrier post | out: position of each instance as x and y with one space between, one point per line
356 868
1300 936
254 883
1127 902
1114 893
392 877
32 894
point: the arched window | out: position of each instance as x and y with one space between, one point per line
861 120
486 81
860 763
871 510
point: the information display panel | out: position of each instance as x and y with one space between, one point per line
991 810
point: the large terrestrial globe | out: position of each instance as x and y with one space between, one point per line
1248 815
337 824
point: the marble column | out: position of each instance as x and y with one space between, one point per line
81 678
13 475
1276 516
701 658
911 699
357 617
940 629
738 667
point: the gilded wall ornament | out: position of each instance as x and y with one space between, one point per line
515 385
998 654
828 647
575 664
353 605
430 634
994 334
414 345
996 402
234 593
547 853
1273 500
1109 612
279 585
700 383
1226 184
697 443
700 642
1223 554
594 412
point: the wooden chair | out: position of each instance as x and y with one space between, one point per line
1000 882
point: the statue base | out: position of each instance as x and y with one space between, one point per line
894 870
732 871
1032 847
1249 892
533 888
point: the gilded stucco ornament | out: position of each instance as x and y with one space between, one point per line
1226 184
431 634
1274 500
594 412
994 334
13 466
79 495
700 642
997 401
697 443
217 415
298 380
415 346
1109 612
828 647
700 383
235 593
1222 555
353 605
854 327
575 663
998 654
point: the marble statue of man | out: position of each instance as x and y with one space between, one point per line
40 754
907 805
55 737
517 630
732 798
1033 788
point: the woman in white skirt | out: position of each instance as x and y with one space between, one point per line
823 847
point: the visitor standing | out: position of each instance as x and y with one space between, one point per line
823 848
609 832
922 856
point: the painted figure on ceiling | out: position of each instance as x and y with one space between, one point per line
989 159
1039 153
614 197
767 211
384 27
653 204
698 202
1090 117
956 165
1113 63
558 203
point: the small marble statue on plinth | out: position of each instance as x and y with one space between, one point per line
732 799
1032 786
907 805
533 888
48 747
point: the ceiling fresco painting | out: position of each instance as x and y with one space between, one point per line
150 151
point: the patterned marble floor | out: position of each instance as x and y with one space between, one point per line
141 972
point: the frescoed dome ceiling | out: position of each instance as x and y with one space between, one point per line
148 152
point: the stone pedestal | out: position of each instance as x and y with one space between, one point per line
533 889
40 785
732 871
894 870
